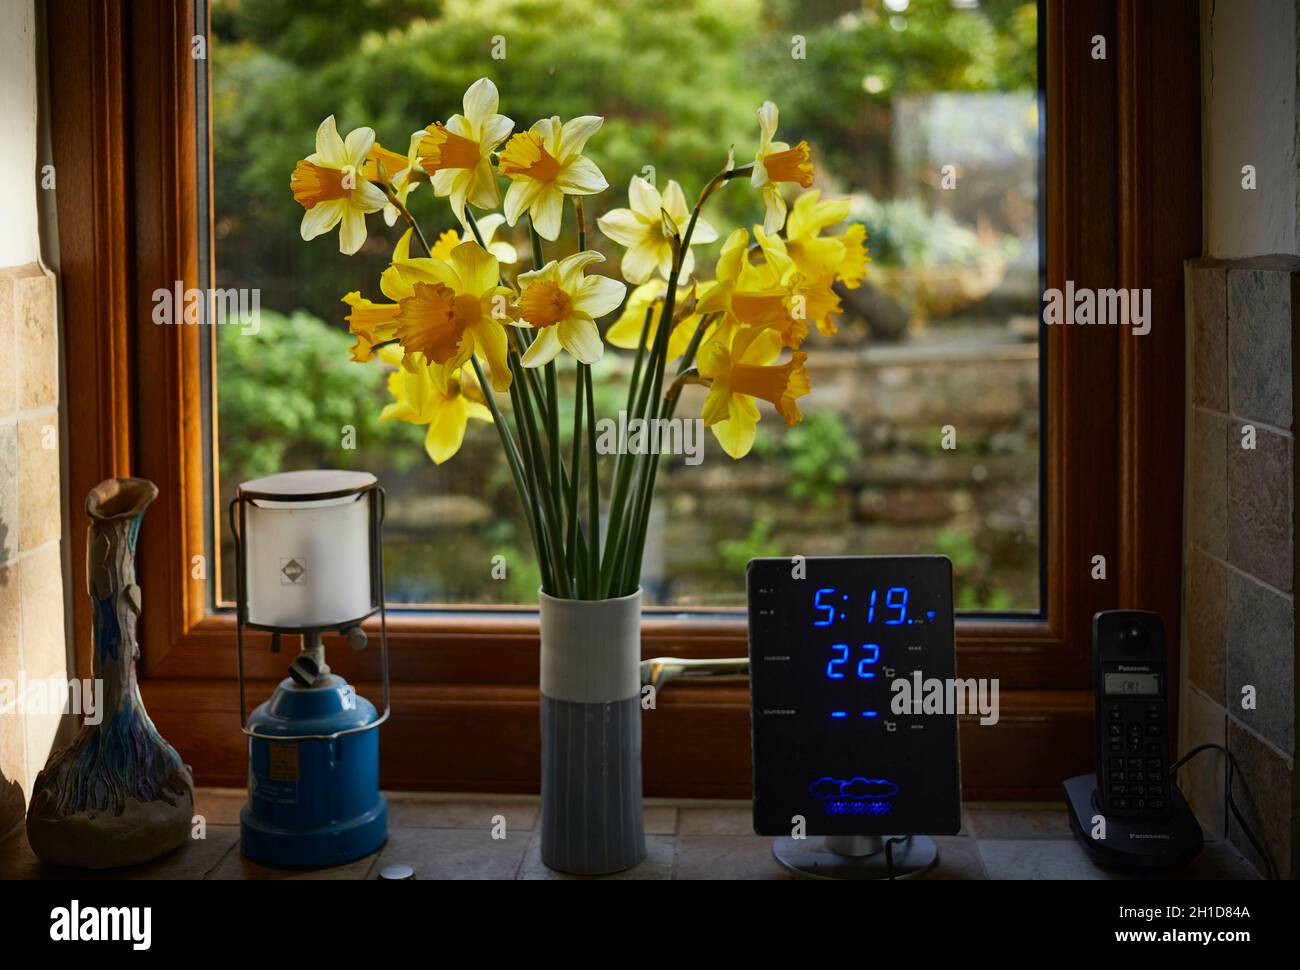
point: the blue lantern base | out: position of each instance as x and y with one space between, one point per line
333 845
315 803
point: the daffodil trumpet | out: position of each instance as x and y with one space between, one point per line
461 323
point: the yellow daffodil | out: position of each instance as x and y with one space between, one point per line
419 399
487 227
777 162
371 323
842 257
739 376
626 330
808 298
402 174
461 312
563 304
458 155
374 323
544 164
641 229
751 294
331 185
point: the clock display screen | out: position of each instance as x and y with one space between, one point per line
828 646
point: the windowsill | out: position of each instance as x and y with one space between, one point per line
449 836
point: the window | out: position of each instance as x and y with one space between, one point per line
922 433
140 401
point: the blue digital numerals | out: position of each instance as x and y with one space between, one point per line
829 618
839 661
828 612
895 599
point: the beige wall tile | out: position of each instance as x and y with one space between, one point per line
1201 780
42 741
1265 793
44 648
37 351
8 348
13 739
8 490
40 516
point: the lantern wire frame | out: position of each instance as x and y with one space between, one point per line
377 498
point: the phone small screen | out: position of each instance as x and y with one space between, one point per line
1128 685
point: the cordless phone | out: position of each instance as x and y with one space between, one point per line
1131 686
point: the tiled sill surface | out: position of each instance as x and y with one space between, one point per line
449 836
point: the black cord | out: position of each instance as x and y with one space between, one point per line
1232 805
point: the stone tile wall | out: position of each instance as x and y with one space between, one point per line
32 643
1239 649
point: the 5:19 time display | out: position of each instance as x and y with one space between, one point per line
893 608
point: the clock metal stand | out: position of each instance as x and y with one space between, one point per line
857 856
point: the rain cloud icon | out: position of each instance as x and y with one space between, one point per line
856 787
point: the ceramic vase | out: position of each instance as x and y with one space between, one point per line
119 794
592 821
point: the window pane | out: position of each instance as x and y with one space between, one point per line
922 431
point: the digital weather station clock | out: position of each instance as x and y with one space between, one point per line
828 638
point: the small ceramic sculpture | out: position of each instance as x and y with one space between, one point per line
119 794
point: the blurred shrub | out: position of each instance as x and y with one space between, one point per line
286 395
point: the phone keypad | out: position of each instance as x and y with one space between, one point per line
1136 776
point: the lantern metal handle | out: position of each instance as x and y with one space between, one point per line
378 509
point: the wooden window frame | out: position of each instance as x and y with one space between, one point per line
464 686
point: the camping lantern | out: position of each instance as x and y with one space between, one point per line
309 561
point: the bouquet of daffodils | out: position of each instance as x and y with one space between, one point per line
459 326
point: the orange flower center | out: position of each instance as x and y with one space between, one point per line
544 304
791 165
441 149
313 184
779 385
382 164
525 155
757 307
433 321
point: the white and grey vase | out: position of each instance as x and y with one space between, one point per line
592 820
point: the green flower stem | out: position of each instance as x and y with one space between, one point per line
522 397
571 489
406 214
473 228
649 469
545 497
538 259
593 489
581 222
552 419
515 462
623 463
526 484
686 374
628 569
